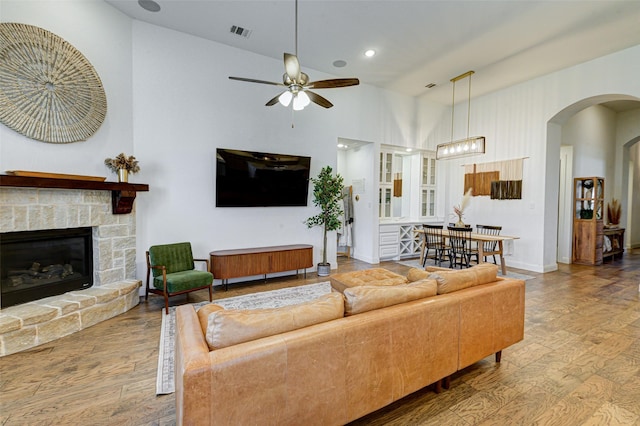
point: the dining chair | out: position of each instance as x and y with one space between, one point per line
434 241
490 247
461 250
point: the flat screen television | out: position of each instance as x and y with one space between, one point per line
260 179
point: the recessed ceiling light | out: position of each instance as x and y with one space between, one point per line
339 63
369 53
149 5
409 150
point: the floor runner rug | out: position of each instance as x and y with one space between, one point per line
415 263
268 299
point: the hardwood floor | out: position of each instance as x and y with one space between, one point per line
579 363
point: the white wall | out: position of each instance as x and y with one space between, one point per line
592 133
627 188
103 36
632 239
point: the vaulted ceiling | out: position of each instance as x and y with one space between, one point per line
418 42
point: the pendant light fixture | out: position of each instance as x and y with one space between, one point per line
463 147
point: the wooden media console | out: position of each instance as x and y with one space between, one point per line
227 264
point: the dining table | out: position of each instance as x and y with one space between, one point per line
480 239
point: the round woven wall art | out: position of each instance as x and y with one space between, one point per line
48 90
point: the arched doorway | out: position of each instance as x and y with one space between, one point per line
574 151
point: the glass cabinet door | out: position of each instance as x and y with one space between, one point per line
385 202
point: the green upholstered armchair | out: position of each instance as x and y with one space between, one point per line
174 272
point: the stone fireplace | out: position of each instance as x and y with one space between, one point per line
39 264
113 255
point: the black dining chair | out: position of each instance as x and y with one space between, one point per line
461 250
434 241
490 247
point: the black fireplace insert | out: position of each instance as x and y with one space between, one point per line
39 264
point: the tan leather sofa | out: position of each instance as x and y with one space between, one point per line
337 371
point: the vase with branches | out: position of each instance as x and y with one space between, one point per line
327 193
122 165
459 209
614 211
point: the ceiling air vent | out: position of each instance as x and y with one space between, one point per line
240 31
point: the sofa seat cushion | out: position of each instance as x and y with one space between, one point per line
450 281
369 297
368 277
184 280
234 326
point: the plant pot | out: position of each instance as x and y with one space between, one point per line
324 269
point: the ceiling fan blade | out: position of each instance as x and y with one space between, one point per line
274 100
253 80
292 66
317 99
333 83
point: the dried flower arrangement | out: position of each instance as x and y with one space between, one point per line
614 211
129 163
459 209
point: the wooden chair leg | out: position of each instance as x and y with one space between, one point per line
498 356
166 304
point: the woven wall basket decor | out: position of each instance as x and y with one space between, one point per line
48 90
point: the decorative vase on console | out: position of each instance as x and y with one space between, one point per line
122 165
459 209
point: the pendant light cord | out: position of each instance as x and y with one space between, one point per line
469 108
453 101
453 107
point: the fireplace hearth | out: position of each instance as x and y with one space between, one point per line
39 264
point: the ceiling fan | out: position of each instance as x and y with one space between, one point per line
297 82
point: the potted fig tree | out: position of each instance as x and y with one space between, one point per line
327 192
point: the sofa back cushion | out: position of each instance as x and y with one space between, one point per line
417 274
203 315
230 327
374 276
450 281
367 298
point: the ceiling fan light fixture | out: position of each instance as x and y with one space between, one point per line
298 102
285 98
304 98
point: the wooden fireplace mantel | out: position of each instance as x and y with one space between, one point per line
122 194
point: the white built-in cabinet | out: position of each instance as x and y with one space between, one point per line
399 241
386 184
406 200
407 184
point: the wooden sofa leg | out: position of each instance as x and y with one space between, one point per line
438 386
446 382
498 356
